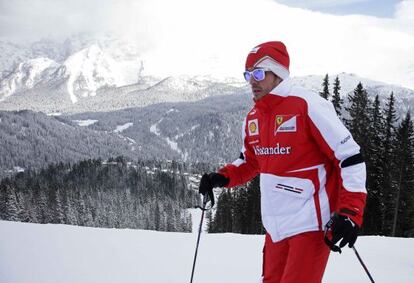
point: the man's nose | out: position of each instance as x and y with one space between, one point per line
252 81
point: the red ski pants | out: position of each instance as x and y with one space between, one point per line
298 259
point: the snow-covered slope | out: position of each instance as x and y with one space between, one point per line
39 253
89 70
27 75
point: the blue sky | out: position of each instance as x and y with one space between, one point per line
378 8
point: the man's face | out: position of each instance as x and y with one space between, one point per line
261 88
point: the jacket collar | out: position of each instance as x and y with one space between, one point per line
282 89
275 96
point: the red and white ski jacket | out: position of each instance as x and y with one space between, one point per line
309 164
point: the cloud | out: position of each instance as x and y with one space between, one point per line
321 3
404 15
213 37
21 19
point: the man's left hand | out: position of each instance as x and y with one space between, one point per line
344 229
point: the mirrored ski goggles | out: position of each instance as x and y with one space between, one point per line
258 74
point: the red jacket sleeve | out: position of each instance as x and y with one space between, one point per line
244 168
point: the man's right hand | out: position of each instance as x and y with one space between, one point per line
210 181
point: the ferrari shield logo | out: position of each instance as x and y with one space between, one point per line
279 120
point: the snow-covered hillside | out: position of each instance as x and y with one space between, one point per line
39 253
27 75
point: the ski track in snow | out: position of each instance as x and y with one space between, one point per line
121 128
154 128
49 253
173 145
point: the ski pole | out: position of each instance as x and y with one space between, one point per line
205 199
363 265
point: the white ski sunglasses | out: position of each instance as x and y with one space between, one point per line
258 74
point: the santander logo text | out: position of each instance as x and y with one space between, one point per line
277 150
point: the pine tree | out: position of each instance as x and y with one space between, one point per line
12 207
70 212
388 182
337 101
241 223
374 211
358 109
209 220
404 200
253 207
325 87
157 218
59 214
223 220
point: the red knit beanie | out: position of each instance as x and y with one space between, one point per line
271 55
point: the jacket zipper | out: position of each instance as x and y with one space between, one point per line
269 136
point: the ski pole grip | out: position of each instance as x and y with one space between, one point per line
328 241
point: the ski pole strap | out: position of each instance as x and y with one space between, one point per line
329 242
206 198
211 197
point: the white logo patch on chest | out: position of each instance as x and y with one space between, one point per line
285 124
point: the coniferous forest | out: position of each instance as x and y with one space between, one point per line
387 143
115 194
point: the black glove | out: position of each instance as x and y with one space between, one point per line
210 181
342 227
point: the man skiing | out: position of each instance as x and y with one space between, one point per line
312 174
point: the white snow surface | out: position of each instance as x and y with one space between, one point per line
49 253
54 114
85 123
154 128
121 128
18 169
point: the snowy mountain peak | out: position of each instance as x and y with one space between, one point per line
82 73
89 70
26 75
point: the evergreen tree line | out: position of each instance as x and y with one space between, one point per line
114 194
238 211
387 143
